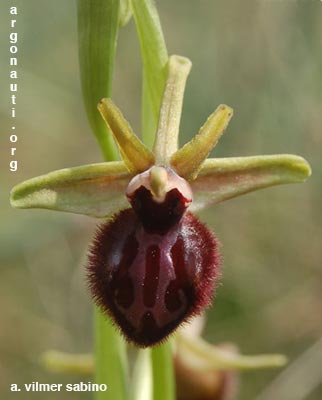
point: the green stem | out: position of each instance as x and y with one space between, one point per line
98 27
163 374
110 366
142 376
155 60
98 23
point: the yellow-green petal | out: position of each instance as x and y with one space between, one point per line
95 189
135 154
187 161
223 178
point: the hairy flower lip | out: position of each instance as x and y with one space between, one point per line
121 271
163 181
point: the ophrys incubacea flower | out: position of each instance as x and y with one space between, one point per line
153 263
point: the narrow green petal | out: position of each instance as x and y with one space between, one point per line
188 160
166 141
135 154
98 22
223 178
95 189
155 59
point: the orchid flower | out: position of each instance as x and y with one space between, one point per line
153 264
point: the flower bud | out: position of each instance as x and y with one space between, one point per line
194 381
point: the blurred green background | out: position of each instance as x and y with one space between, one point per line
261 57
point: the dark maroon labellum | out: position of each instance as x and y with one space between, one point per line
155 265
159 197
149 283
155 217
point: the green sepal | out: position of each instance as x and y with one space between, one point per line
166 140
68 363
135 154
205 357
95 189
187 161
223 178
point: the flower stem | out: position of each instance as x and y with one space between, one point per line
98 23
155 60
163 374
110 366
142 376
